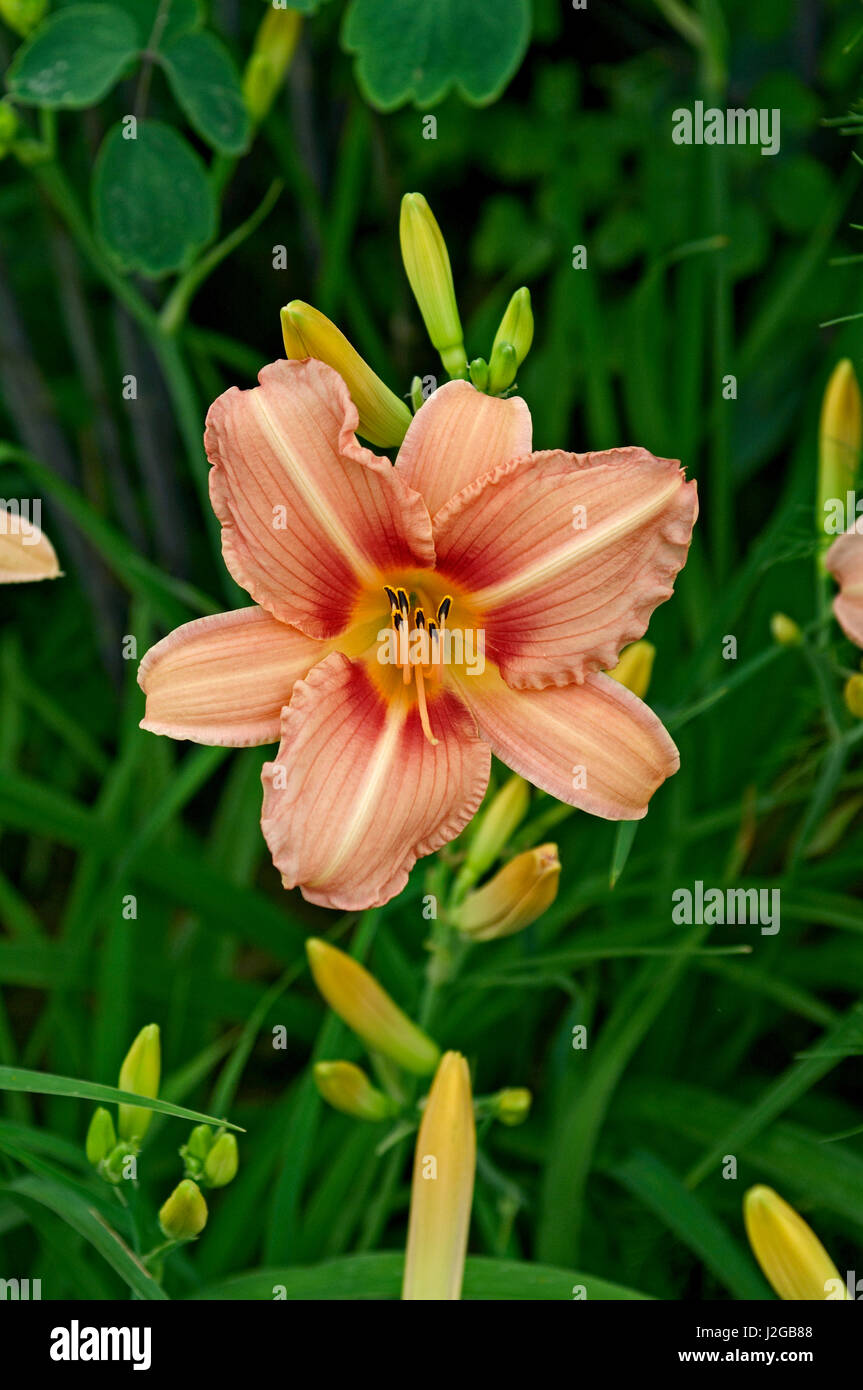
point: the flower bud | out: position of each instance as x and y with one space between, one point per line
854 695
479 373
8 127
222 1162
516 326
140 1074
184 1214
426 261
497 824
384 419
635 667
368 1010
790 1254
115 1166
347 1088
100 1136
200 1142
840 436
442 1189
502 369
785 631
517 895
270 59
512 1105
23 15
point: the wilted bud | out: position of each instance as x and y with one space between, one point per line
497 824
442 1190
635 667
519 893
512 1106
270 59
790 1254
426 261
222 1162
308 333
785 631
140 1074
840 436
854 695
347 1088
184 1215
23 15
100 1136
359 1001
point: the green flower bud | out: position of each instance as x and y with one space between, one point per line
184 1214
516 326
785 631
502 369
512 1105
140 1074
497 824
8 127
854 695
23 15
479 373
222 1162
113 1167
347 1088
426 261
270 59
100 1136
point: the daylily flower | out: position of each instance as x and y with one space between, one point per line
26 554
555 560
844 560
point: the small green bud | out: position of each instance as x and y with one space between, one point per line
195 1150
346 1087
502 369
184 1214
497 824
100 1136
222 1162
516 326
785 631
113 1167
512 1105
140 1074
427 263
479 373
8 127
23 15
854 695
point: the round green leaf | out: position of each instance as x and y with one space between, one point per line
74 58
206 84
408 51
152 199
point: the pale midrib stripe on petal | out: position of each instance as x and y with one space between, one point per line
317 504
580 548
381 761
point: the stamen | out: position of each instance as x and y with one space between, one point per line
392 596
404 603
423 707
443 609
420 618
434 636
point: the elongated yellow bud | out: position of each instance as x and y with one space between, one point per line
184 1214
384 419
222 1161
101 1138
442 1191
359 1001
840 437
347 1088
790 1254
140 1073
426 261
519 893
635 667
275 42
785 631
497 823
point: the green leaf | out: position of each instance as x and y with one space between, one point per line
623 840
380 1276
407 51
84 1219
153 203
43 1083
75 58
206 84
177 17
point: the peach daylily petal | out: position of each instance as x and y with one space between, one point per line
595 745
224 679
844 560
26 554
566 556
308 515
458 435
357 793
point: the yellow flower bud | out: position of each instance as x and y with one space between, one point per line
270 59
790 1254
516 326
100 1136
426 261
140 1074
23 15
519 893
840 437
308 333
512 1105
184 1214
359 1001
222 1161
442 1190
497 824
785 631
347 1088
635 667
854 695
